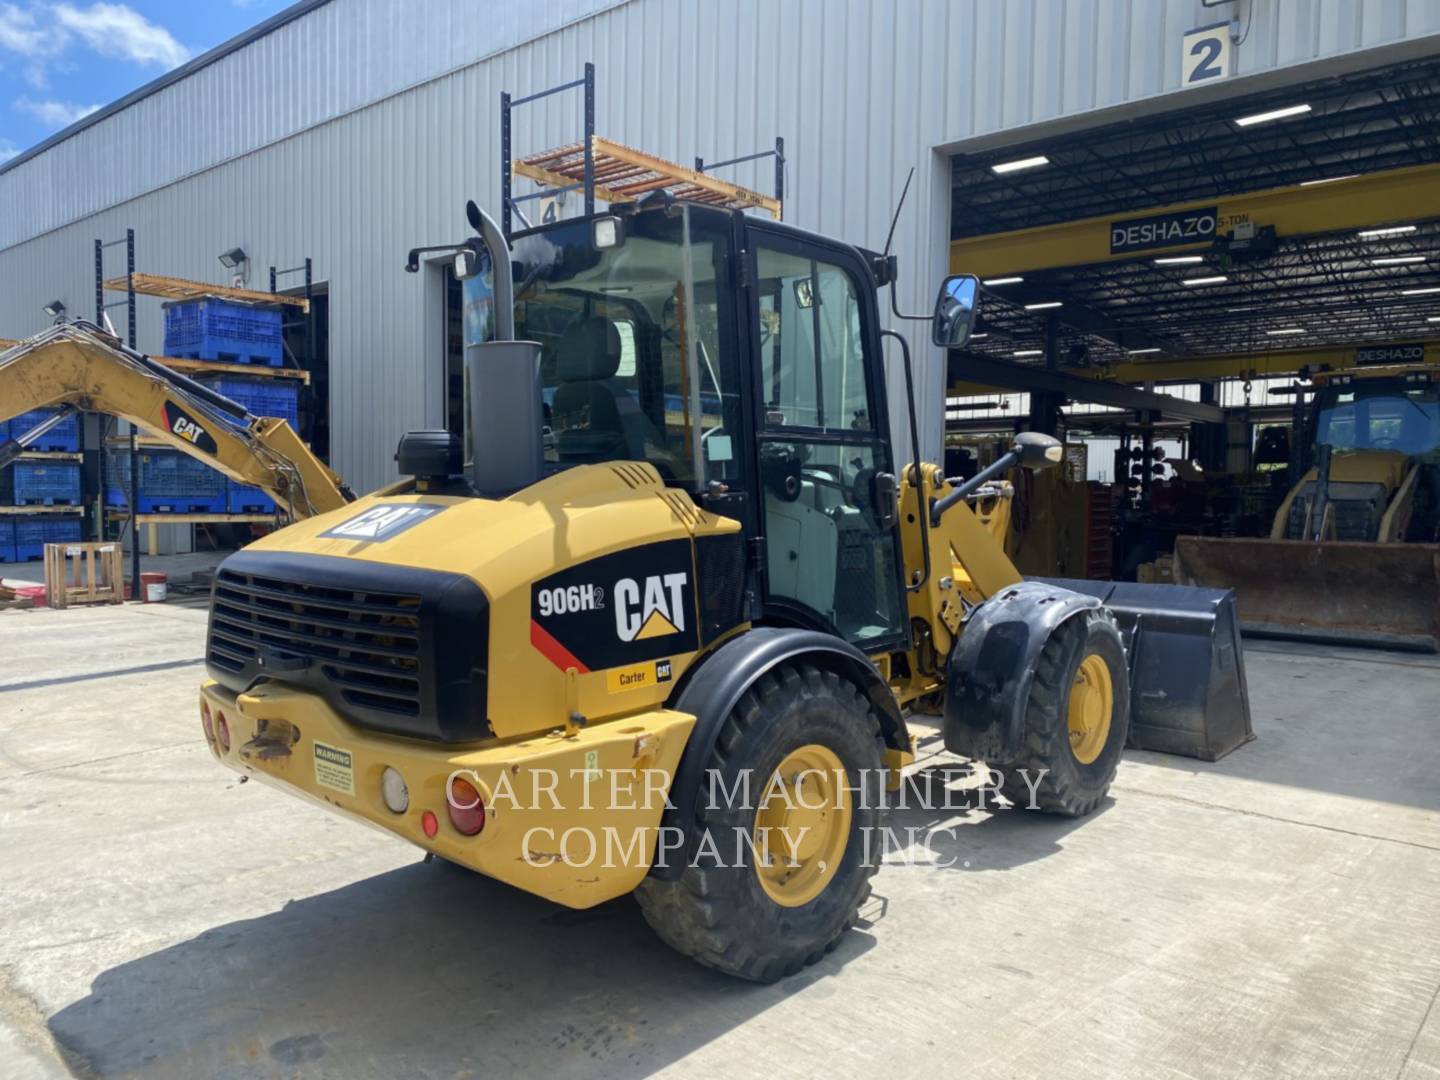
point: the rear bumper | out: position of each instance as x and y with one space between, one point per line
574 819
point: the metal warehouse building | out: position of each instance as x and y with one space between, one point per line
348 131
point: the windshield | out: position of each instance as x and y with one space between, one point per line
638 360
1380 415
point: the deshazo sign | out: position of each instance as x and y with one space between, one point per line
1163 230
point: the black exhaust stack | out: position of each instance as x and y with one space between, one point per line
503 382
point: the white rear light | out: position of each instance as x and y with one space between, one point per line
394 791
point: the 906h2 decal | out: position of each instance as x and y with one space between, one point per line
617 610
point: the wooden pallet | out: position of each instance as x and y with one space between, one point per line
173 288
84 574
19 510
215 367
10 600
623 174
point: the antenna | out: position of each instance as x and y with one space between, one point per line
886 257
895 218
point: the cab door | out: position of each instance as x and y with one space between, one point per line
831 543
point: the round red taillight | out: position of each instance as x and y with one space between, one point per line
205 720
430 823
467 809
222 731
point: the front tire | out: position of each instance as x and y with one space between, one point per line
1076 720
767 908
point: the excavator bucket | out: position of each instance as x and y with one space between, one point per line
1187 672
1354 593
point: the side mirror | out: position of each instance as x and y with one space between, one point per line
1038 451
955 311
468 263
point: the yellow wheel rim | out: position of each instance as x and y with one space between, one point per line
1092 702
802 825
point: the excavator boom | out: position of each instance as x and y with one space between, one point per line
81 366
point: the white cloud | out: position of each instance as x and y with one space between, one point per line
117 30
7 150
55 114
20 34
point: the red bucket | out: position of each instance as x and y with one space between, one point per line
153 586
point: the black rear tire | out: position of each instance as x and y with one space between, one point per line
1067 785
720 914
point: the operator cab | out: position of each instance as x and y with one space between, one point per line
741 358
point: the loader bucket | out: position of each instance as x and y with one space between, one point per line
1351 593
1187 672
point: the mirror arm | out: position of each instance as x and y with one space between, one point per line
1001 464
916 476
895 308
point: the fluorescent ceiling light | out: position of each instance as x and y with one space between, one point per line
1420 292
978 337
1273 114
1002 280
1029 352
1433 318
1389 230
1180 260
1144 352
1004 167
1287 330
1215 279
1328 180
1398 260
1044 305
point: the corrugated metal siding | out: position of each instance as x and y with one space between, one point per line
861 90
338 58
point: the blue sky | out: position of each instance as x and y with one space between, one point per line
60 59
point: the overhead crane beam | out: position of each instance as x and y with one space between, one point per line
1371 199
965 382
988 375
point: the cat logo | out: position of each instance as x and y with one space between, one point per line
182 425
383 521
653 609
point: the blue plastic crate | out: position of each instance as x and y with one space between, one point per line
263 397
170 483
247 499
7 541
32 534
64 436
213 329
41 483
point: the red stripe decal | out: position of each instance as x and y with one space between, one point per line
556 653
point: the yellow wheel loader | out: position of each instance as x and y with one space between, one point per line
1354 551
656 622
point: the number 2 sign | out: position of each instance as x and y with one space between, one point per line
1207 55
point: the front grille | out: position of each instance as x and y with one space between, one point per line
390 648
366 644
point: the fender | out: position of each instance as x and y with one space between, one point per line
988 677
720 679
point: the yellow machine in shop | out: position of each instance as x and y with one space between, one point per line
1354 551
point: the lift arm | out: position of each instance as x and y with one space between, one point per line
81 366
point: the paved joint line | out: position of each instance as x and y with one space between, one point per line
99 760
113 673
1410 1051
1206 805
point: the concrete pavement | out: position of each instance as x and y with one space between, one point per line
1275 914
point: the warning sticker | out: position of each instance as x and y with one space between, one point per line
334 768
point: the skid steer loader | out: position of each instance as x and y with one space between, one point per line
1353 555
655 622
